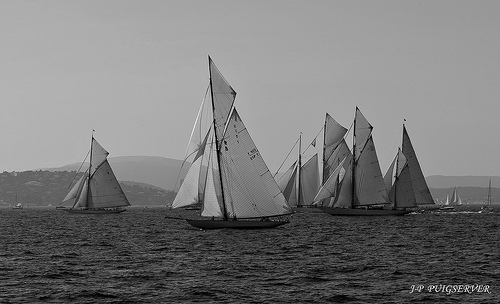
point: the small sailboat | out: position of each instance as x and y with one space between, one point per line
300 183
98 190
355 186
488 207
236 188
18 206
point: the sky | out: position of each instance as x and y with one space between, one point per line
136 73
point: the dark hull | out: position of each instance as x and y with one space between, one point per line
94 211
219 224
363 212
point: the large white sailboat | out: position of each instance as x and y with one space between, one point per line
236 188
98 190
355 186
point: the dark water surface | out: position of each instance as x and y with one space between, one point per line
49 256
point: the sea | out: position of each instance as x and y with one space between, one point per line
139 256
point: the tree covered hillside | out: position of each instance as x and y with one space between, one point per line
43 188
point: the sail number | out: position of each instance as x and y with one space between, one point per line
253 153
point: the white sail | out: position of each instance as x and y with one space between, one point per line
223 97
370 187
390 174
212 200
447 202
191 189
362 130
330 186
421 190
82 198
287 184
309 181
250 190
105 189
98 155
344 197
455 198
402 191
73 193
333 135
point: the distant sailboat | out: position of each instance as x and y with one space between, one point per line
455 199
98 190
488 207
356 187
300 183
237 191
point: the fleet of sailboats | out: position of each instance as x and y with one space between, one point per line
98 190
236 188
231 184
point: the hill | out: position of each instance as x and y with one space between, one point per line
441 181
43 188
153 170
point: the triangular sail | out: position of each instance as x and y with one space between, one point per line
223 97
77 188
249 188
330 186
370 187
402 191
333 134
212 200
362 130
105 189
287 184
421 190
98 155
191 189
455 198
309 181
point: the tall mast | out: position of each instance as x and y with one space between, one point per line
90 167
353 175
299 192
489 193
217 147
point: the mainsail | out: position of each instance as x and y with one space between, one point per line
421 190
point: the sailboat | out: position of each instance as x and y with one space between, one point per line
236 189
405 181
488 207
98 190
355 186
450 203
300 183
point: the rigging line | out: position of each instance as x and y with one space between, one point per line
78 171
314 140
187 154
296 142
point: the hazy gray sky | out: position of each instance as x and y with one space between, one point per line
136 72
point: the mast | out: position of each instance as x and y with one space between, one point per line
396 182
489 193
299 167
90 167
217 147
353 173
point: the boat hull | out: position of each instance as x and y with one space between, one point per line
219 224
363 212
94 211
